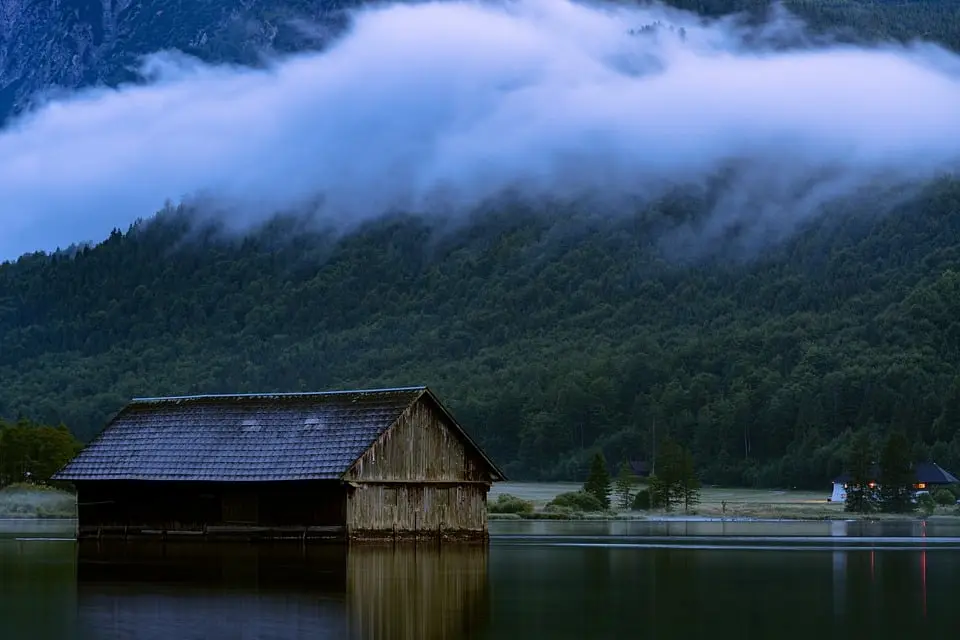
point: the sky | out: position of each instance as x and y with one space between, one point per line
436 106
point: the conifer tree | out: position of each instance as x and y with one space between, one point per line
896 475
688 485
861 497
598 482
659 493
623 486
676 482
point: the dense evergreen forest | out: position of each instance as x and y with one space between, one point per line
32 453
550 333
547 333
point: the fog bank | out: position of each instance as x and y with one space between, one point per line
434 107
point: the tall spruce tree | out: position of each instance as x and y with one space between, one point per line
861 497
598 482
896 475
688 484
623 485
676 482
659 493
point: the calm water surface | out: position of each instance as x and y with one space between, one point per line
536 580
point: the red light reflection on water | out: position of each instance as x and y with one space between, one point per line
923 568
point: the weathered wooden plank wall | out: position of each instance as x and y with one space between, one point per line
418 510
419 480
419 447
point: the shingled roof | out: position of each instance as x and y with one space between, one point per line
253 437
926 472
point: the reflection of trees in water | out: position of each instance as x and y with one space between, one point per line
37 593
289 590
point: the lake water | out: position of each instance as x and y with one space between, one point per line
552 580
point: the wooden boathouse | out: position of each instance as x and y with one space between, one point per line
377 464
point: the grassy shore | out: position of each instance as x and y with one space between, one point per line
32 501
715 503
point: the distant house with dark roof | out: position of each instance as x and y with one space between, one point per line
386 463
926 476
639 468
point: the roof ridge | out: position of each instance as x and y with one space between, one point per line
293 394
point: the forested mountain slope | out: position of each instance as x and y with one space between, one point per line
546 333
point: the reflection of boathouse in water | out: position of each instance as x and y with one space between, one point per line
401 591
378 464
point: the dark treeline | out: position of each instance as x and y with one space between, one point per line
550 335
866 21
31 453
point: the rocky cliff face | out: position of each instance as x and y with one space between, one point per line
51 44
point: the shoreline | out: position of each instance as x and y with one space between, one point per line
943 517
36 502
30 518
21 503
716 504
875 517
